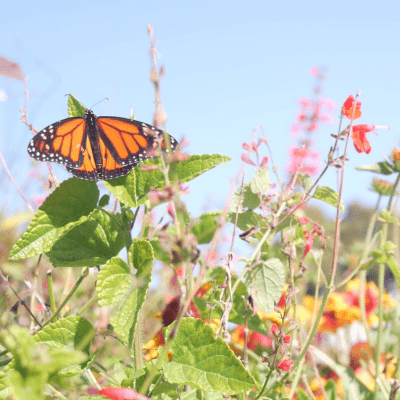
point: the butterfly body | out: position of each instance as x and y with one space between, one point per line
98 148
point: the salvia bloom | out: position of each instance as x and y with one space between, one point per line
359 136
347 108
285 365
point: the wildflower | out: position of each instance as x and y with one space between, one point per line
121 393
264 162
347 108
309 243
285 365
274 329
396 155
287 339
384 188
245 158
359 137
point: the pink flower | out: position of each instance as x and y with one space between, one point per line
305 103
287 339
314 71
285 365
245 158
274 329
264 162
121 393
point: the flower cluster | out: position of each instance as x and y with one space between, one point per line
253 148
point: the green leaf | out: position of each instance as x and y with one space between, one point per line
388 218
92 243
205 228
117 288
75 108
392 263
201 361
246 219
305 182
124 189
104 201
186 171
67 207
379 256
265 283
183 171
331 390
301 395
34 363
260 182
389 246
383 168
247 199
329 196
75 332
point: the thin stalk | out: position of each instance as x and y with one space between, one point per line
379 340
51 292
70 294
87 305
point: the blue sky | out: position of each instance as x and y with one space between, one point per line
230 66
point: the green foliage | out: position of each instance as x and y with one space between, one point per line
204 228
244 199
34 364
94 242
328 196
117 288
265 283
305 182
67 207
203 362
75 107
260 182
383 168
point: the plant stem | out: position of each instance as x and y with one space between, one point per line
70 294
51 292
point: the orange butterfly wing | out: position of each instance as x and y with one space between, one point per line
95 148
61 142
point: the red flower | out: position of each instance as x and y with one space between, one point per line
287 338
347 108
256 339
359 137
264 162
274 329
285 365
309 243
121 393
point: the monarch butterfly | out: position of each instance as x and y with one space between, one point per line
98 148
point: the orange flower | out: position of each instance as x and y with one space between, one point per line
359 136
347 108
396 155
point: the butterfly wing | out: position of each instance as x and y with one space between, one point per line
130 141
110 169
63 142
98 148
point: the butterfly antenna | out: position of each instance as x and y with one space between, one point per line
105 98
